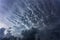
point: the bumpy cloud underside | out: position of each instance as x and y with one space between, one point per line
22 15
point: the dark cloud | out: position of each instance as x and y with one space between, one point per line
44 15
2 33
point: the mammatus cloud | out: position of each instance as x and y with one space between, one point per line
27 14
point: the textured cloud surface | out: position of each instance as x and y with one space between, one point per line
21 15
25 14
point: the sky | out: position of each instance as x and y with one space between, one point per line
22 15
4 23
